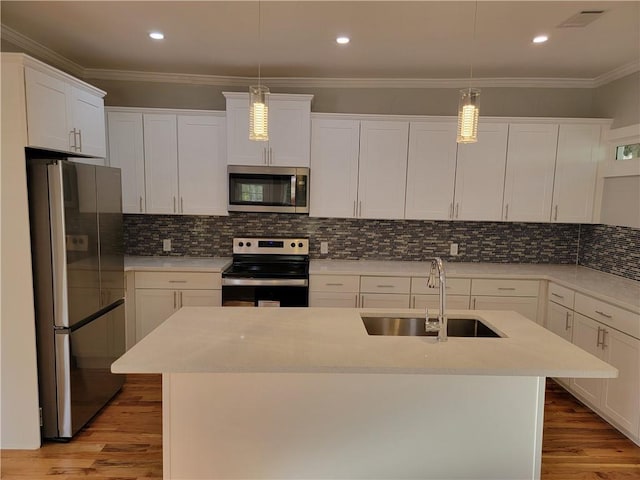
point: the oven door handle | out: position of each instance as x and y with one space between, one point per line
265 282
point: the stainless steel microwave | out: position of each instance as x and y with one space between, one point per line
268 189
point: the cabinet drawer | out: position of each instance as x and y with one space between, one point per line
178 280
561 295
334 283
454 302
505 288
455 286
385 284
615 317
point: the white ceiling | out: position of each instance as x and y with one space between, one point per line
390 40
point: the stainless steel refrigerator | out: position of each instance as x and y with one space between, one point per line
78 269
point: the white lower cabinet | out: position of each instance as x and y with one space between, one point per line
160 294
502 294
334 291
454 302
612 337
384 300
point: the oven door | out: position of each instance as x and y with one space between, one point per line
249 292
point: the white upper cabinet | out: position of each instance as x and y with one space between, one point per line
431 170
161 163
289 131
480 174
126 151
335 146
382 169
575 175
64 116
528 186
202 165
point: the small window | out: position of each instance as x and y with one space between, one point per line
627 152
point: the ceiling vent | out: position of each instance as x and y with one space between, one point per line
581 19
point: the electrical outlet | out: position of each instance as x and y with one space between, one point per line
77 243
453 251
166 245
324 248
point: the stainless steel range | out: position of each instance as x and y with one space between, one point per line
267 272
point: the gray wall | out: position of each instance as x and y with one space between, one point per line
619 100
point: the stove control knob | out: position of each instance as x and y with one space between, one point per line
293 244
301 245
241 244
248 244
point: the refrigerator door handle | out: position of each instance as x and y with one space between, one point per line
63 382
58 245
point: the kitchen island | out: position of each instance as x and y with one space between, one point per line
307 393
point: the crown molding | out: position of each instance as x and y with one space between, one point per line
298 82
41 52
617 73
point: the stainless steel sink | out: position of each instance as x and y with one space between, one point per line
456 327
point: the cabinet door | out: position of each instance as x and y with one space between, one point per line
153 306
333 299
559 320
161 163
384 300
335 146
241 150
289 132
126 151
526 306
621 395
585 335
200 298
575 175
383 169
88 118
531 159
480 175
431 171
202 165
48 116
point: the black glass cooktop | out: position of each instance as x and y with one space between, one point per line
281 268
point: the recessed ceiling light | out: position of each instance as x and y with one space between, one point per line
540 39
342 40
156 35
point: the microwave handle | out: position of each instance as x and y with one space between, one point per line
294 186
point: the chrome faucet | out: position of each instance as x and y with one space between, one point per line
432 282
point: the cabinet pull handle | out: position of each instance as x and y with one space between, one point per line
457 205
79 140
555 216
598 342
180 299
270 156
174 204
506 211
175 300
451 210
413 304
356 301
605 315
604 336
181 204
474 304
360 209
264 156
177 281
506 288
140 203
354 208
566 321
335 284
72 143
556 295
384 286
361 301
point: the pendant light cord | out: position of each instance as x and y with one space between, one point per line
473 43
259 40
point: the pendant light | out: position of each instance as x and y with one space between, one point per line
469 104
259 99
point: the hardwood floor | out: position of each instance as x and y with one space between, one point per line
124 442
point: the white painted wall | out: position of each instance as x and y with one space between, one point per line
19 419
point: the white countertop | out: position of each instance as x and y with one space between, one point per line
606 287
334 340
176 264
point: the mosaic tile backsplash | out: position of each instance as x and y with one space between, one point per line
354 239
611 249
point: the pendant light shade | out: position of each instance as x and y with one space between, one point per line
468 114
259 113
